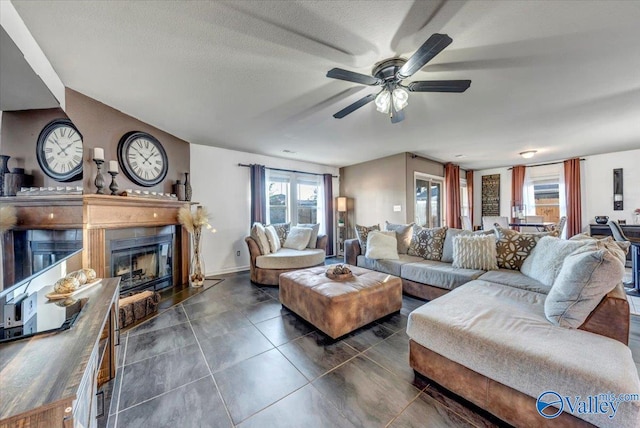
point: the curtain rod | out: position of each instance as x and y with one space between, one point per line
545 164
287 170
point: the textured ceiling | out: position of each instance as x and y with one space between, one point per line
559 77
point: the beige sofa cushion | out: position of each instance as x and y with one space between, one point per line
287 258
501 332
273 238
391 267
586 276
516 279
404 232
315 228
259 235
546 258
298 238
438 274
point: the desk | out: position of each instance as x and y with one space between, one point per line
545 226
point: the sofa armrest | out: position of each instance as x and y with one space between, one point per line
254 250
351 251
611 318
322 241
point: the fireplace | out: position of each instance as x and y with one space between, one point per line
144 262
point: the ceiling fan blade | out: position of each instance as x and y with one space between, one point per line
350 76
432 47
439 86
355 106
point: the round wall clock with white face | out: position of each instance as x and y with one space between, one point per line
59 150
142 158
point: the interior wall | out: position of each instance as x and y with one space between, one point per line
597 187
376 187
422 165
103 126
20 131
224 188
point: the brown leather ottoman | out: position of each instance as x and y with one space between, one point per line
339 307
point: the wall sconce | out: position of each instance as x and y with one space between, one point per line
617 190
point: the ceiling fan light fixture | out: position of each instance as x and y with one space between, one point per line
528 154
400 98
383 101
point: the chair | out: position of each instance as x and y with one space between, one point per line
466 222
618 235
489 221
560 226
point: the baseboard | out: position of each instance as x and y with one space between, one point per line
228 270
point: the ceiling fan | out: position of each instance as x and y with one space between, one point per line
391 72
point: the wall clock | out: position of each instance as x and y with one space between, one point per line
59 150
142 158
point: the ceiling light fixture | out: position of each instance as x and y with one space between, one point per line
398 95
528 154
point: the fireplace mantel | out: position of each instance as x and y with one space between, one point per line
103 212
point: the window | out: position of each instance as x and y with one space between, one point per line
464 198
544 192
295 198
428 202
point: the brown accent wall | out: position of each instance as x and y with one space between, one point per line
103 126
425 166
376 186
20 131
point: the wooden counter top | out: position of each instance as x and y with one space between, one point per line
45 371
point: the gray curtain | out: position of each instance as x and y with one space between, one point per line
328 207
258 194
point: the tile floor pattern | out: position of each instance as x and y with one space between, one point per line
233 356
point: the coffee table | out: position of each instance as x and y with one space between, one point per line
339 307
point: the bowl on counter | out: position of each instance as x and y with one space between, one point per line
602 219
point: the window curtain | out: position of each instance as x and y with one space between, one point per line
469 177
452 183
573 196
258 194
517 186
328 211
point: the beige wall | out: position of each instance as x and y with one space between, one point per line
376 186
103 126
418 164
20 131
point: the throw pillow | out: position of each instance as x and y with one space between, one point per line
618 248
272 237
315 228
474 252
298 238
546 258
259 235
585 278
447 248
404 232
513 247
427 243
282 229
382 245
361 234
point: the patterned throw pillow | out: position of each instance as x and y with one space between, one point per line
514 247
361 233
282 229
474 252
427 243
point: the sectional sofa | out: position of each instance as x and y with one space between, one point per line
486 336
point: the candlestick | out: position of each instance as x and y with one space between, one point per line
113 166
98 153
99 182
113 186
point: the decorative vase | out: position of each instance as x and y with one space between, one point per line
4 161
179 191
637 220
187 187
196 269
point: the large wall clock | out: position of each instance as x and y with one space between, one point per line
59 150
142 158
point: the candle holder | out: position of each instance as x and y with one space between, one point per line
99 182
113 186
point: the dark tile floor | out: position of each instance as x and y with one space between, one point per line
231 355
